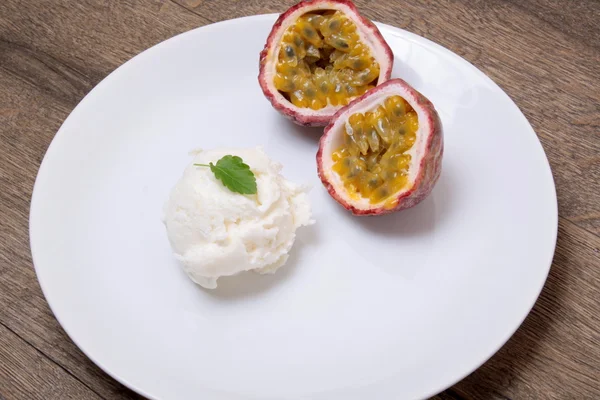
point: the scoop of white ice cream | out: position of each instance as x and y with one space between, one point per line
215 232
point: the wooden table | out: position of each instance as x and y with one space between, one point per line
544 53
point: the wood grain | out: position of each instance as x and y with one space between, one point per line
544 53
27 374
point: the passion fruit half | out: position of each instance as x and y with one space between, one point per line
319 56
383 152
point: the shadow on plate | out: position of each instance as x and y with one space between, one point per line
250 284
406 72
311 134
418 220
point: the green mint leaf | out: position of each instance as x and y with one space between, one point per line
234 173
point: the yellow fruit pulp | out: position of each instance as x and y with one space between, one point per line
323 62
373 162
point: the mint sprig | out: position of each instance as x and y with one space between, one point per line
234 173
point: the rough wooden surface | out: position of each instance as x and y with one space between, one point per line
544 53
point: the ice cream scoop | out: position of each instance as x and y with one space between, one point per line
216 232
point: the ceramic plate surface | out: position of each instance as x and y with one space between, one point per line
394 307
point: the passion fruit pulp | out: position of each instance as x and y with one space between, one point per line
382 153
320 55
323 62
374 159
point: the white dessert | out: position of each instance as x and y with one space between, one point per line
215 232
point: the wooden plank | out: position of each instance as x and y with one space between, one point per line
26 374
53 52
83 41
581 20
450 394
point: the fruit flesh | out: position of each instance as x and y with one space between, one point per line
372 161
322 62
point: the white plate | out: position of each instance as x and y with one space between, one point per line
395 307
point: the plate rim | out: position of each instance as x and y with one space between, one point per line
414 38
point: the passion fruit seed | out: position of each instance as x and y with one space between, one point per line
323 51
372 162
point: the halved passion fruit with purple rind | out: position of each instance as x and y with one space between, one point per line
383 152
319 56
